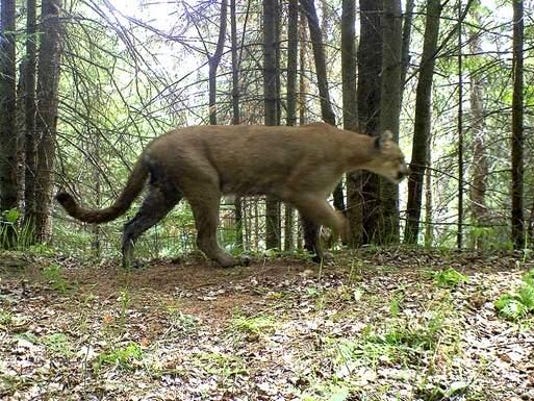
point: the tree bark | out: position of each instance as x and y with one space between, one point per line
479 169
271 95
316 38
349 67
292 66
47 101
406 37
421 137
238 204
390 107
9 185
214 61
366 197
518 231
327 113
30 140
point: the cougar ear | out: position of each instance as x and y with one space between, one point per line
381 140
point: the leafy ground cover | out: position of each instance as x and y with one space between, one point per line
391 324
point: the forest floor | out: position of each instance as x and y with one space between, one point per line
390 324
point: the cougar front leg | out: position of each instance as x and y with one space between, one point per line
316 212
312 243
206 212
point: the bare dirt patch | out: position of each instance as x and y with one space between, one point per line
376 325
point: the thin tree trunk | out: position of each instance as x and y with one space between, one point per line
271 94
460 129
390 107
303 237
97 181
429 231
238 204
406 37
292 61
213 63
421 138
368 93
327 112
311 230
30 140
349 66
518 231
479 170
316 38
292 65
47 95
9 185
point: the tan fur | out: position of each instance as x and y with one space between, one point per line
299 165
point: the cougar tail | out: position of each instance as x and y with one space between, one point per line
133 187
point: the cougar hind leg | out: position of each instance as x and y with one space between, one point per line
159 201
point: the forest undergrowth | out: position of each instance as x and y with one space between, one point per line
390 324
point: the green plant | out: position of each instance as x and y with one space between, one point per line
221 364
519 304
58 344
181 321
395 304
404 341
528 278
19 235
449 278
356 267
329 391
6 318
124 301
55 278
125 357
253 325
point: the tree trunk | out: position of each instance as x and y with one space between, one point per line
304 237
213 63
30 140
316 38
310 229
96 229
518 231
369 88
238 204
460 131
47 101
406 37
479 169
349 65
327 112
292 66
429 229
421 138
271 94
390 107
9 185
292 61
349 68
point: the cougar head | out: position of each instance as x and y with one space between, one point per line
388 160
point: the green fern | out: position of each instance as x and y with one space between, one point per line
516 305
510 307
526 297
